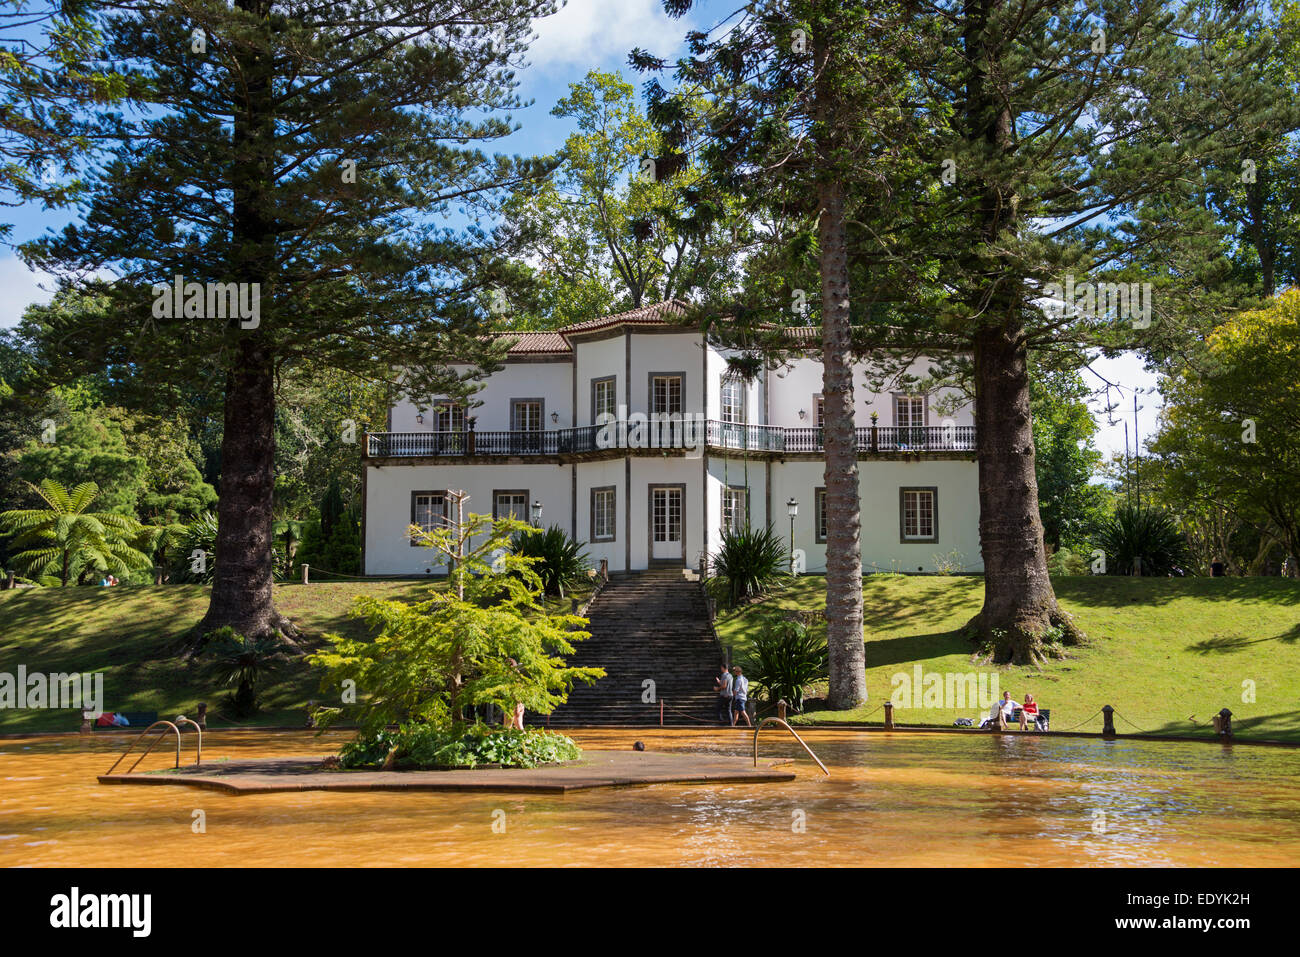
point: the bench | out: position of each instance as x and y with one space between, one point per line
1041 723
139 721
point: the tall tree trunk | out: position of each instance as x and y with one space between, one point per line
243 578
1020 607
242 581
846 655
1019 603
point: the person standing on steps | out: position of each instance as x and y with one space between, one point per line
722 685
739 696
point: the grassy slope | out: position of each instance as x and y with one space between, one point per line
1160 650
131 634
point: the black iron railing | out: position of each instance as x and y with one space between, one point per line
674 434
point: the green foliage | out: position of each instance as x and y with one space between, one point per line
200 536
429 660
749 562
425 746
65 542
557 559
1229 444
1149 534
785 659
605 227
243 662
1063 561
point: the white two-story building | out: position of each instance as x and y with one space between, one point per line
633 434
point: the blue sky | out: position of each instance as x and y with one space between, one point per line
584 35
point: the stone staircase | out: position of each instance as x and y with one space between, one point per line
651 624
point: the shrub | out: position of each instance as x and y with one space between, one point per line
1144 533
748 564
561 563
242 662
425 746
786 659
1065 562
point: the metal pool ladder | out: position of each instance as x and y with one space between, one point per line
198 758
781 722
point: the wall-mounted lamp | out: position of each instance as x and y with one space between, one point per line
537 514
555 417
419 417
803 414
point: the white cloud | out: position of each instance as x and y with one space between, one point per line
597 33
20 287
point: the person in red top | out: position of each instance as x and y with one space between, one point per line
1028 710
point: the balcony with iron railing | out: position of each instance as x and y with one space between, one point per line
670 434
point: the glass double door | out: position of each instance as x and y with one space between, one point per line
666 523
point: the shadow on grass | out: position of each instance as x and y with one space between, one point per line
1282 726
1116 591
1227 644
911 649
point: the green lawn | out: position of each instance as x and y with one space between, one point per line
132 634
1166 653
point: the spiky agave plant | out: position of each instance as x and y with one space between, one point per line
785 659
749 562
561 562
1145 533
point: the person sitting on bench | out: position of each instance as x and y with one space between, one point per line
1028 710
1001 712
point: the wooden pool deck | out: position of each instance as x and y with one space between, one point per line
595 769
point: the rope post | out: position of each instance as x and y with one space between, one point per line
9 580
1108 721
306 571
889 716
780 709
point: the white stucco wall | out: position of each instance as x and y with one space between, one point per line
552 382
879 483
388 505
794 385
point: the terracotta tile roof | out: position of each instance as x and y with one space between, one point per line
655 314
536 343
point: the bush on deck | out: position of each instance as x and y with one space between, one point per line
424 746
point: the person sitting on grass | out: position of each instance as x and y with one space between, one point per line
1028 710
739 694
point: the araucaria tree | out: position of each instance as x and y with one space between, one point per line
782 107
1053 122
301 191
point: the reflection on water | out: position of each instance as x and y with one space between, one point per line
931 800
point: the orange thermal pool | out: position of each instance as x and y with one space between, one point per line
900 799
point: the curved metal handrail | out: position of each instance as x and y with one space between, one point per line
148 749
198 758
759 727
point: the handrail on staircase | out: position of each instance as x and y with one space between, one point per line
759 727
175 729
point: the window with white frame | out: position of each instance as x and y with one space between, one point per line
604 399
428 511
603 513
819 411
665 393
510 503
735 508
526 415
732 397
919 514
819 515
909 411
448 417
